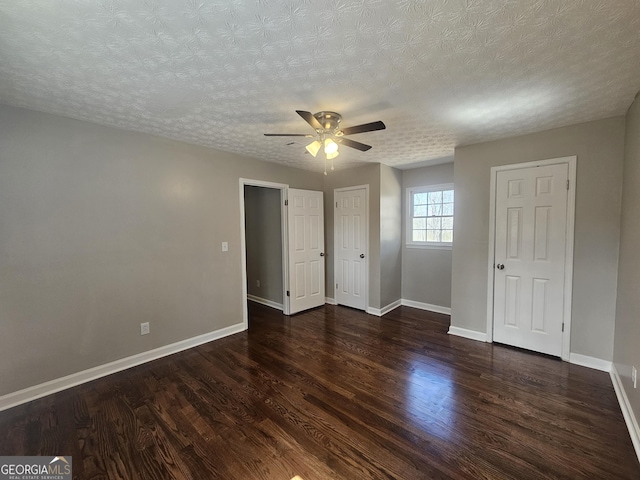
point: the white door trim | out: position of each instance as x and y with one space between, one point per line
284 192
568 278
366 232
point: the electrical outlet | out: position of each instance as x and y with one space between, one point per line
225 246
258 283
634 377
144 328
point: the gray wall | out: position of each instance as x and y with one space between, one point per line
365 175
627 337
426 273
263 220
390 235
599 146
102 229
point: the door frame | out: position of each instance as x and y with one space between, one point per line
570 228
366 241
284 195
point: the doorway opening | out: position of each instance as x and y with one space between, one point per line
263 243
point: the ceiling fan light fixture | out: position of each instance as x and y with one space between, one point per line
314 147
329 134
330 147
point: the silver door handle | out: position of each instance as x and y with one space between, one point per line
500 266
362 255
322 254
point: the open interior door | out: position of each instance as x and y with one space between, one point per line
306 250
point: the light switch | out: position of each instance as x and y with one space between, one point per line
225 246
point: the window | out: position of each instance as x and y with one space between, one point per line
430 216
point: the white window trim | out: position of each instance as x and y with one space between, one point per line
429 246
409 218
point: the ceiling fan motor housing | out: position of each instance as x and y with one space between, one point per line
329 121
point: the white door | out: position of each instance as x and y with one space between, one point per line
306 250
351 247
530 249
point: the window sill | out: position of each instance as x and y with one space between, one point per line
429 247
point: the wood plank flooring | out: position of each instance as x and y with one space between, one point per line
335 394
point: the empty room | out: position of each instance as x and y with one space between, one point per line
304 240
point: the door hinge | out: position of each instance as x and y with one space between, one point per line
567 184
286 203
288 294
563 326
336 286
336 204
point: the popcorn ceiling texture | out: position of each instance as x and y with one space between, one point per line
221 73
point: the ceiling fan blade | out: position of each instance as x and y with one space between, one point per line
288 135
365 127
353 144
310 119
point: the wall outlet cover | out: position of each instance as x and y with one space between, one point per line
144 328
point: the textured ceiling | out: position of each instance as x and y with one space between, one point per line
221 73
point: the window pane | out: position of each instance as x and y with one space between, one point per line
420 211
419 198
432 216
447 196
433 235
433 223
435 197
435 210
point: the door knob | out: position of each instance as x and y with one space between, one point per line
362 255
322 254
500 266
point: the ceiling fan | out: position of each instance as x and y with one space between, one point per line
329 134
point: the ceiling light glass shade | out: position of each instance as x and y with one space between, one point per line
331 156
314 147
330 146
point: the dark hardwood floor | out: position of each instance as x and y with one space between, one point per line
335 393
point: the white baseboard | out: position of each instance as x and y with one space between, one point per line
264 301
426 306
330 301
37 391
627 411
384 310
470 334
590 362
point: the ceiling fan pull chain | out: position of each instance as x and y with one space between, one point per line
325 164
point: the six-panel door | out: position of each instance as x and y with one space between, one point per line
306 250
351 248
530 249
